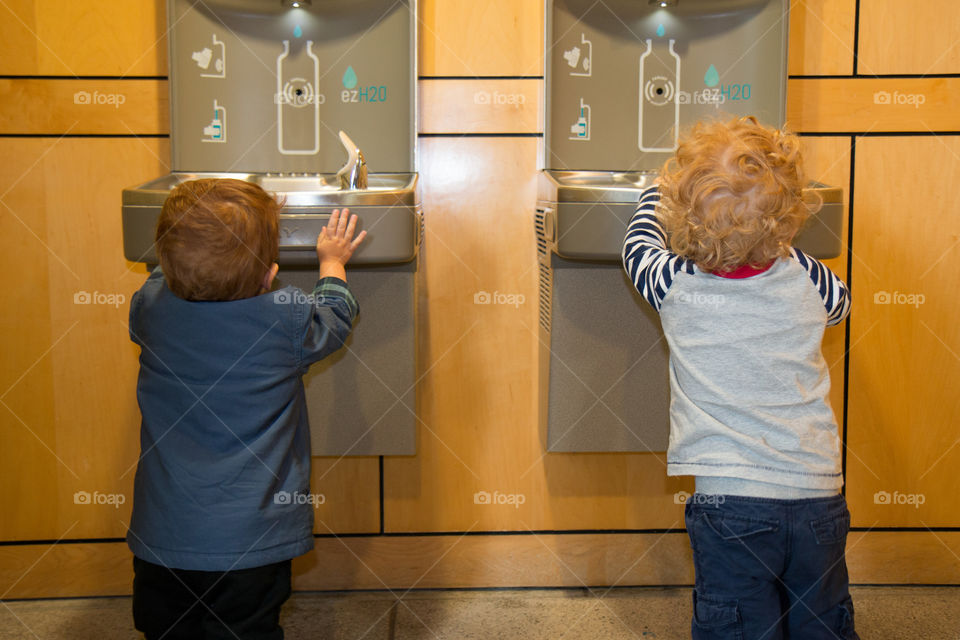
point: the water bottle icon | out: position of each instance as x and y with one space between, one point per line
659 113
298 101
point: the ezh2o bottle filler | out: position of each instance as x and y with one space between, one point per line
267 91
654 67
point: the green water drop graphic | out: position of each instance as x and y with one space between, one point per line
350 78
297 31
661 31
711 78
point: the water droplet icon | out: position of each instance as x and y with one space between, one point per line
711 78
350 78
661 31
297 31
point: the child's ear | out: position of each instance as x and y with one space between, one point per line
269 276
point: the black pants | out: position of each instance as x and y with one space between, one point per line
175 604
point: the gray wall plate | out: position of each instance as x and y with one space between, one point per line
361 400
256 87
607 386
624 76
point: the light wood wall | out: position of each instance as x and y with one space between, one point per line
68 414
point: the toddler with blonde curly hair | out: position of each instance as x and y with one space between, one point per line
744 314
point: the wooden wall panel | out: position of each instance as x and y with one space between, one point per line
577 560
59 204
89 428
492 38
905 339
445 562
351 491
821 37
60 37
874 105
27 456
909 37
122 107
481 106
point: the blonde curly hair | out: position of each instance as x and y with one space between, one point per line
733 195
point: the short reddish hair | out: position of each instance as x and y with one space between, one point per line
217 238
733 194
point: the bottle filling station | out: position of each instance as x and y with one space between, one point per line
303 98
623 79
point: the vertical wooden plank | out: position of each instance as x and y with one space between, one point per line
821 37
909 37
493 38
905 341
476 396
28 459
95 371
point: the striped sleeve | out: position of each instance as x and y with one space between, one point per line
833 290
331 310
649 264
331 291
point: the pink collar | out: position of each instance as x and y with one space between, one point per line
744 271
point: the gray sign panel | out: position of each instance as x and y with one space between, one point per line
624 77
259 87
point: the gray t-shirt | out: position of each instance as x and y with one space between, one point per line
749 409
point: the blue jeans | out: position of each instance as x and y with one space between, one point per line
770 569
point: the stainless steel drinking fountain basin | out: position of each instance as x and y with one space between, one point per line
586 214
388 209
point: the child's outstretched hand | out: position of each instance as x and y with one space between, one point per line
336 243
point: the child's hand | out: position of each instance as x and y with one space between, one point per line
336 243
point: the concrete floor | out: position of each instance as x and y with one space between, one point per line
882 613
